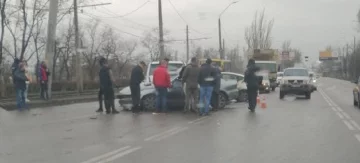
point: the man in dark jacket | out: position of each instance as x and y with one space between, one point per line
161 81
20 85
106 86
206 80
190 78
137 76
216 92
252 83
14 67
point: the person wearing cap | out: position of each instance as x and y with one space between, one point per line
252 83
106 86
137 76
190 80
161 81
20 85
206 81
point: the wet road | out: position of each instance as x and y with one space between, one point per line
323 129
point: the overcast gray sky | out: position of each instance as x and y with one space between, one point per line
311 25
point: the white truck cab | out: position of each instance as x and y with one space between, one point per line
173 66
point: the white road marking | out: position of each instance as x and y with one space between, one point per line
170 134
110 159
357 126
196 120
340 115
334 109
357 136
163 133
346 115
347 123
338 108
98 158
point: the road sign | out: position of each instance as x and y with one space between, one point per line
326 55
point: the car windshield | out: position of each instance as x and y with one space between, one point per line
296 72
171 67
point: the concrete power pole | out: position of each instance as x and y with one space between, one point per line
79 75
161 33
220 49
223 50
187 43
50 42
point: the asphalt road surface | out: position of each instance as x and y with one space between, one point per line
324 129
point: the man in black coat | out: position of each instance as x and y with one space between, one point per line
106 86
252 83
216 92
137 76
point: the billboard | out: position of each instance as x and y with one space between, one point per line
285 55
326 55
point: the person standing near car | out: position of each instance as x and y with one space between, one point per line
106 86
190 78
137 76
216 91
206 80
161 81
43 79
252 83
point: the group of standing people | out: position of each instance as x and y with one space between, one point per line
208 76
21 79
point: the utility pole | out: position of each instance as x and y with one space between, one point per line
355 60
79 82
187 43
50 42
161 34
223 50
220 49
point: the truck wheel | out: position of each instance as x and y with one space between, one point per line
282 95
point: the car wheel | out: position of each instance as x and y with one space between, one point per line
308 95
282 95
355 102
222 100
148 103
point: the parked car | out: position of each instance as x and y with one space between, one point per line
279 76
296 81
240 84
176 96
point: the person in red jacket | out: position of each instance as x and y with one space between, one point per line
161 81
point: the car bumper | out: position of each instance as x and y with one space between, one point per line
296 89
264 88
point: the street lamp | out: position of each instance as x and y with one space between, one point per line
222 55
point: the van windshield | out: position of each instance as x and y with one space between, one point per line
171 67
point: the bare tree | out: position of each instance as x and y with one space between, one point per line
3 20
151 42
358 20
286 45
258 34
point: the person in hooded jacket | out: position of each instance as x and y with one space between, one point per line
137 76
252 83
14 67
216 92
190 80
43 79
20 84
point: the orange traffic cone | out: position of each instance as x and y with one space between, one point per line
258 100
263 103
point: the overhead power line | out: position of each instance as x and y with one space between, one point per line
172 5
131 12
